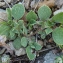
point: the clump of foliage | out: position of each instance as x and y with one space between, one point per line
19 31
16 30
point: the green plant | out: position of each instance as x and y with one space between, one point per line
16 30
21 32
49 25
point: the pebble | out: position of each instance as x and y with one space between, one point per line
58 11
8 1
59 2
49 57
2 4
0 0
26 3
19 52
3 14
2 39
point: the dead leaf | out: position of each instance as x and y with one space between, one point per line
26 3
49 3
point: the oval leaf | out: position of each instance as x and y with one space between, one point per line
30 55
58 36
24 41
48 30
9 14
58 18
4 29
44 12
18 11
37 46
17 43
31 16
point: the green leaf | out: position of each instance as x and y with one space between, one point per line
46 24
57 35
31 44
58 18
24 30
44 12
43 34
17 43
18 11
4 29
21 22
30 55
37 46
48 30
12 35
9 14
32 22
31 16
24 41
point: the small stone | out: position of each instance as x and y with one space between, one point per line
0 0
2 39
1 20
3 14
2 4
58 11
11 46
32 4
8 1
26 3
59 2
19 52
40 42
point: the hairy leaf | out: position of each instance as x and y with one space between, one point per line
58 18
43 34
4 29
30 55
58 36
37 46
31 16
24 30
18 11
17 43
24 41
48 30
12 35
9 14
44 12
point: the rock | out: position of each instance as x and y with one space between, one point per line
27 2
19 52
5 59
0 0
2 39
11 46
2 4
3 14
58 11
40 42
32 4
46 57
1 20
8 1
59 2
